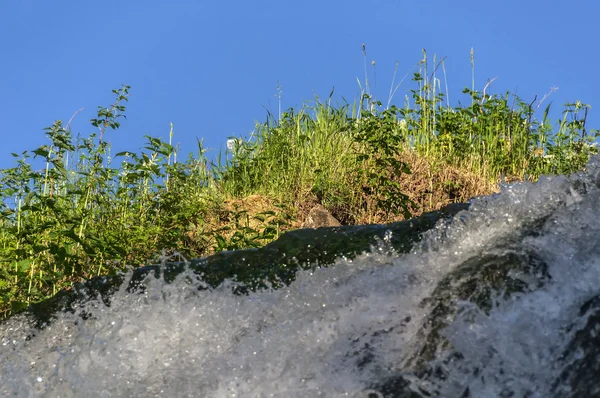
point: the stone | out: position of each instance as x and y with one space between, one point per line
319 217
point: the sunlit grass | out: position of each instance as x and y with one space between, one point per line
72 210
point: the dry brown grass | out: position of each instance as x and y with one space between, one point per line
432 185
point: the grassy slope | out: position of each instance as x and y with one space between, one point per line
82 215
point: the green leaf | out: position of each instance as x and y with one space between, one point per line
42 151
24 265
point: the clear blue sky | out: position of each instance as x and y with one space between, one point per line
212 68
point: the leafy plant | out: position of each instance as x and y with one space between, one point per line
242 235
380 141
70 210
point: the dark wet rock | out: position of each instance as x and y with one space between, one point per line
582 375
398 387
319 217
272 265
475 281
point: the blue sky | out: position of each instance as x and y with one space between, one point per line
212 68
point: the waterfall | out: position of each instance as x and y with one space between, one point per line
500 300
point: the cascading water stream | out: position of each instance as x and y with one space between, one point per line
503 301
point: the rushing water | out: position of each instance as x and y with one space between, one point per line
501 302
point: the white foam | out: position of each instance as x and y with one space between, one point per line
306 340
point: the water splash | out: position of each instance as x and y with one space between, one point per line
492 304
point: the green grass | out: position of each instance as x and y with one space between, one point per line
85 212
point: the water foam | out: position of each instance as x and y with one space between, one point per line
336 331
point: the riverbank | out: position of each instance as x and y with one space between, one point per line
73 210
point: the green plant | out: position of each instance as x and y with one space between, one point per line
242 235
495 135
379 140
70 210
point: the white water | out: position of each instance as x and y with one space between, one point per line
305 340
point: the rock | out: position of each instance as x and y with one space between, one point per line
319 217
583 355
275 264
